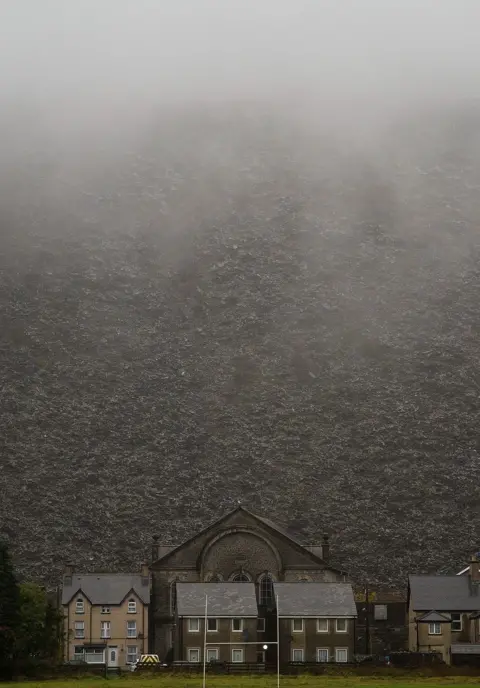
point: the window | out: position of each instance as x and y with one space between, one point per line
237 625
261 625
105 610
434 628
79 629
341 654
131 654
322 654
322 626
341 625
297 654
194 625
105 629
79 653
79 606
237 656
456 622
131 629
380 612
212 625
193 654
132 607
212 654
94 655
265 591
241 577
261 657
173 597
297 625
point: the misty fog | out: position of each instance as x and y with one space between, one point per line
239 249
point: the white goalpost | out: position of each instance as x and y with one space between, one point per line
265 644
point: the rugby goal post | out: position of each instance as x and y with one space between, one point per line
264 643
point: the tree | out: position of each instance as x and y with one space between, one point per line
38 636
9 612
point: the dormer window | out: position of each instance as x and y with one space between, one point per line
79 606
132 607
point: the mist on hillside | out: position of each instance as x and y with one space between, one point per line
239 248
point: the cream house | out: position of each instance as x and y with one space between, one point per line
444 615
105 617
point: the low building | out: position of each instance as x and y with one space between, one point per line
444 613
232 617
105 616
316 622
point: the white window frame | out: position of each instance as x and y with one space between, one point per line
194 630
215 650
380 612
237 630
105 610
298 649
194 649
323 630
337 651
457 621
94 656
79 606
212 630
131 629
323 649
132 607
432 628
261 624
132 654
105 629
341 630
297 630
237 661
79 629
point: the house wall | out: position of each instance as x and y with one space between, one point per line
118 618
376 636
225 634
310 639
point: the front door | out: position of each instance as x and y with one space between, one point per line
113 657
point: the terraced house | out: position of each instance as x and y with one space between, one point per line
105 616
317 622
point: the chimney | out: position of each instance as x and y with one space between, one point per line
68 572
474 570
155 549
325 548
145 573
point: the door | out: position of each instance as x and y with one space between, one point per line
113 657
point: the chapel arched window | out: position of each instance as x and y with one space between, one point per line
265 589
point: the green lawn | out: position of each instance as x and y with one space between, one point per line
270 681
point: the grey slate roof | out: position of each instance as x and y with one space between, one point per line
430 617
443 593
224 599
315 599
106 588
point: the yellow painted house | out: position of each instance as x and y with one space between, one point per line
105 617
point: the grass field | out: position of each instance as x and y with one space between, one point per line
179 681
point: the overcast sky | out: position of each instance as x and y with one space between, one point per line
161 48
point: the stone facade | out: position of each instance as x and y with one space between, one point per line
240 546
